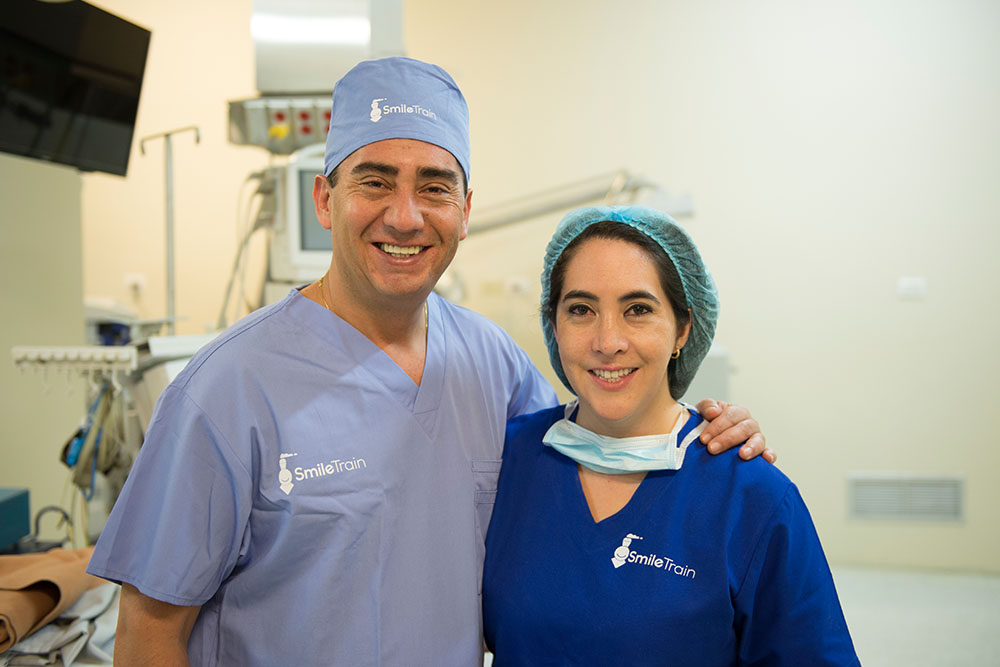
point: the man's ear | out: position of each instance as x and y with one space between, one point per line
321 199
468 209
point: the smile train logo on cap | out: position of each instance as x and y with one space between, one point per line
396 98
415 109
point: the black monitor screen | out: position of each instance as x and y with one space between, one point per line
69 87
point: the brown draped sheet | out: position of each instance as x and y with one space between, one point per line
35 588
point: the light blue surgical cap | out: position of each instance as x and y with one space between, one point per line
699 287
397 98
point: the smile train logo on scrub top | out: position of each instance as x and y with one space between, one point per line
285 475
624 554
321 469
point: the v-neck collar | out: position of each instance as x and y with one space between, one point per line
372 360
577 511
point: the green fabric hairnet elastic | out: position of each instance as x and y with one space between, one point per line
699 286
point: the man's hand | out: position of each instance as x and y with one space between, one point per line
728 426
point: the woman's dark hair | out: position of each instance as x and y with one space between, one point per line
670 281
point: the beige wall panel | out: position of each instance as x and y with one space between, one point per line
42 302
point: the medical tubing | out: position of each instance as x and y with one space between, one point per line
77 444
89 493
222 322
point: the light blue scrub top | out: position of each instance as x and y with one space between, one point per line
320 506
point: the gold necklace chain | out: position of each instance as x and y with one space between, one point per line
322 295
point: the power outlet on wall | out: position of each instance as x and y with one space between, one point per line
136 284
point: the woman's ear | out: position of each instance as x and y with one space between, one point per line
682 335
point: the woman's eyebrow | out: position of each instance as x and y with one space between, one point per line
639 294
634 294
579 294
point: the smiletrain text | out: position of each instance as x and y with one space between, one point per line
661 563
408 108
331 468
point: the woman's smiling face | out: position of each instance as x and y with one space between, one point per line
616 330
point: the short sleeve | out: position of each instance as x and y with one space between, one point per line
178 526
531 391
787 609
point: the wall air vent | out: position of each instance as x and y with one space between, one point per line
906 497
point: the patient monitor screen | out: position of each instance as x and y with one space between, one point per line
312 235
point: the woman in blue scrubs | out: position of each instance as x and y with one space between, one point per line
616 538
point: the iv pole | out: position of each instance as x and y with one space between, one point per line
168 167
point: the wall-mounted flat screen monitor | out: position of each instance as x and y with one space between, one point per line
70 76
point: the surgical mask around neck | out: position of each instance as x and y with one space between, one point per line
619 456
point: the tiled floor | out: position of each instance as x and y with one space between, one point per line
920 619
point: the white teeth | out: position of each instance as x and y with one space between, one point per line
400 251
612 376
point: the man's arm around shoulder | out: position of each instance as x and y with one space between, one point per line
151 632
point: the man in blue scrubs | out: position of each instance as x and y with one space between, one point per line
315 487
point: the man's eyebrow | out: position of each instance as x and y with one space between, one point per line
437 173
377 167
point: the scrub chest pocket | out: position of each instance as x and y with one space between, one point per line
485 474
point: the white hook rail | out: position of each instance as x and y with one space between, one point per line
83 359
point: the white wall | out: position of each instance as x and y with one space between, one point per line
200 56
829 148
41 297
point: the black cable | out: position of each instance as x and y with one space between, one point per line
45 510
